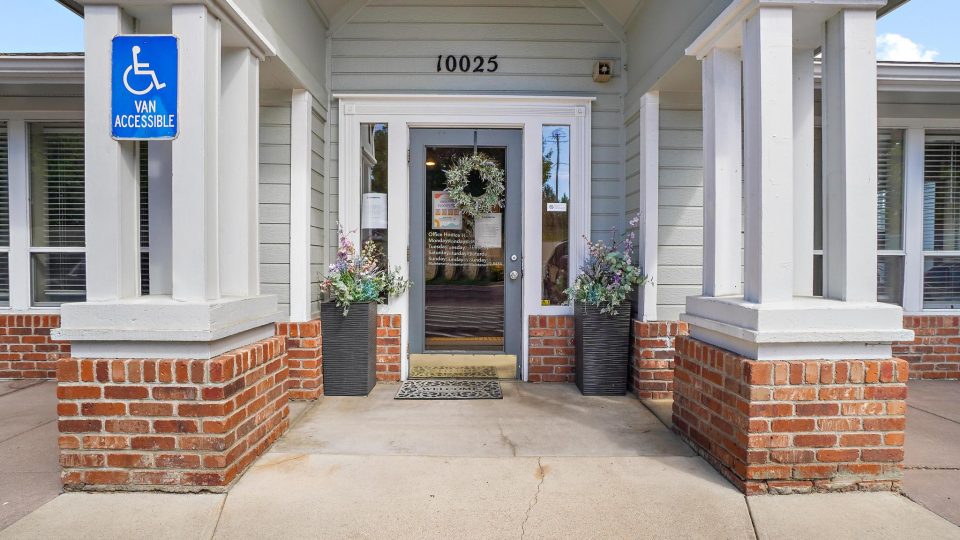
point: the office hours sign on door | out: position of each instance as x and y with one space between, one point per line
144 87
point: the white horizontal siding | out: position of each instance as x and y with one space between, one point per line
680 233
275 198
543 47
318 223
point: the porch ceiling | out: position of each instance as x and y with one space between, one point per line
619 10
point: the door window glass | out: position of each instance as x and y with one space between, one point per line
463 261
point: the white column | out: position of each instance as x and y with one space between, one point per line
768 155
914 142
803 203
722 173
301 113
649 122
195 164
850 157
159 173
239 172
112 227
18 176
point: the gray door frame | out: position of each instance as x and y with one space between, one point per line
512 140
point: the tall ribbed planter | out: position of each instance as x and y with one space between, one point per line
603 350
349 349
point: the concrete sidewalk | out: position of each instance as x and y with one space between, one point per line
543 463
932 447
29 457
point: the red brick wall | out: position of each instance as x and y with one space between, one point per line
787 427
388 347
552 354
170 425
304 357
651 358
935 351
26 350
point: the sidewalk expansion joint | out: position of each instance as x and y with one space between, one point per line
753 523
914 407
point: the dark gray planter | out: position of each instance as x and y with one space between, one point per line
349 349
603 350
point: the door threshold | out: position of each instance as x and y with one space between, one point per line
463 366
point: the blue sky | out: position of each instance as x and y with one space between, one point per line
921 30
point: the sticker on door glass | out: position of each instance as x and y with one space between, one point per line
488 231
446 213
557 207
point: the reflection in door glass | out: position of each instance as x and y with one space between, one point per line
556 214
463 263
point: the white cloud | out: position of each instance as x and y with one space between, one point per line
898 48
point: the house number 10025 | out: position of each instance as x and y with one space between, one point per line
467 64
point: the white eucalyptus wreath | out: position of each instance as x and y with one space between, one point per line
458 180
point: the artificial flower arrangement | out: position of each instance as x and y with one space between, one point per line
608 276
358 278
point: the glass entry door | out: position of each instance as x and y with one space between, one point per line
466 270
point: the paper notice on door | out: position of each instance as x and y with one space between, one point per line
373 211
446 213
488 231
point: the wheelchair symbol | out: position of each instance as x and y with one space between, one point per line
141 68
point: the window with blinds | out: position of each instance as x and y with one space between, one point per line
890 202
4 217
941 220
890 179
58 266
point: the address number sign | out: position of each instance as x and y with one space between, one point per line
467 64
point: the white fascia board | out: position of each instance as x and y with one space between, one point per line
38 69
912 76
725 32
225 10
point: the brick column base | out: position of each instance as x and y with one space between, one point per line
26 350
651 358
935 351
552 355
388 348
305 358
169 425
792 427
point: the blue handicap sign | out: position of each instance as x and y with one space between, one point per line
144 87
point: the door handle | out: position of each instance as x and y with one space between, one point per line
514 274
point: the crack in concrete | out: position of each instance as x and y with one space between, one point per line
542 475
507 440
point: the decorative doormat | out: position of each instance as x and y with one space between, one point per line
450 389
453 372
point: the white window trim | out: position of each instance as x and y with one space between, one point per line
21 288
529 113
914 143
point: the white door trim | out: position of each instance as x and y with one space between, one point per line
530 113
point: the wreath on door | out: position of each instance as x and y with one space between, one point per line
458 184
